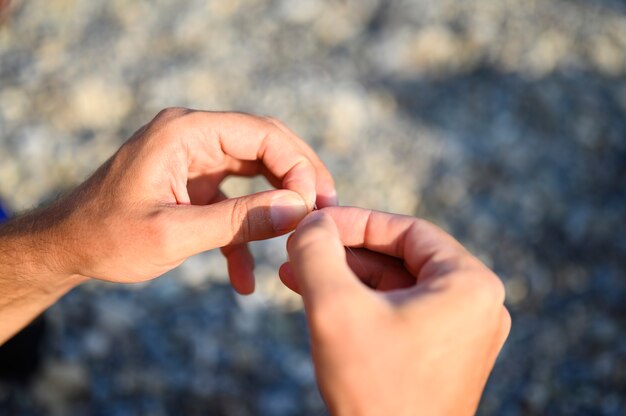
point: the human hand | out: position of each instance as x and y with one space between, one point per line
157 200
421 330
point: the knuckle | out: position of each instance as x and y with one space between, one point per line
502 327
172 121
272 120
487 289
496 288
170 113
506 322
240 223
275 124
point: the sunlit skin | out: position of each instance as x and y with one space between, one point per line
417 332
156 202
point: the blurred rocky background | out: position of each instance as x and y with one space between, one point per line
502 121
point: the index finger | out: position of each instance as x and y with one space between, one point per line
244 137
326 193
425 248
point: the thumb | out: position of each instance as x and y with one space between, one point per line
317 258
237 220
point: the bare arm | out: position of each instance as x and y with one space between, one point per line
156 202
32 276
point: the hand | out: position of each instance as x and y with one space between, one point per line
157 200
421 330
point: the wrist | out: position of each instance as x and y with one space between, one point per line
34 250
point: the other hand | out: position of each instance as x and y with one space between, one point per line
413 326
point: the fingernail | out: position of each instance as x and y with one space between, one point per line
311 218
329 199
334 199
286 211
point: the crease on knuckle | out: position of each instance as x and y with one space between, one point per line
169 122
276 123
169 113
240 223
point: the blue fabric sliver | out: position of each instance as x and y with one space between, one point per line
3 214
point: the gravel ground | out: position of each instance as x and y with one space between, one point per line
502 121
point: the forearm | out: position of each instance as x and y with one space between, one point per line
32 271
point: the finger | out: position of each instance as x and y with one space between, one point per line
246 137
318 261
425 249
240 265
379 271
234 221
202 189
285 272
375 270
325 184
253 168
325 197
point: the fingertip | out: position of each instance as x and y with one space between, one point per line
315 226
287 277
243 284
328 199
311 218
285 270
